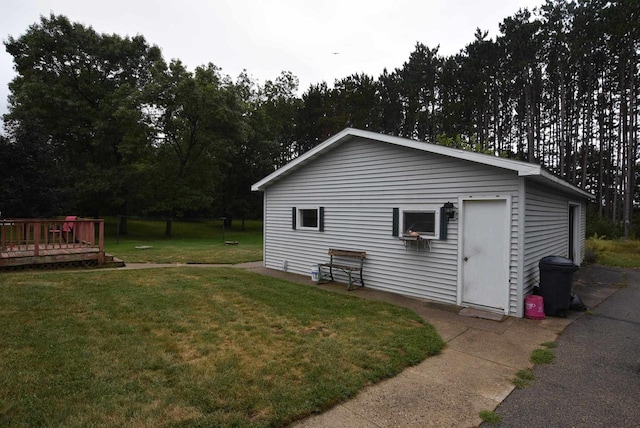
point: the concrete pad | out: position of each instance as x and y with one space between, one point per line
554 324
477 313
249 265
450 325
466 372
498 327
446 329
137 266
448 390
512 348
338 416
257 267
419 402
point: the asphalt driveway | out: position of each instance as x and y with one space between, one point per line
595 378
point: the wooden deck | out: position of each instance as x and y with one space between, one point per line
43 242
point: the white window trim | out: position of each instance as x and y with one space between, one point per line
421 208
299 217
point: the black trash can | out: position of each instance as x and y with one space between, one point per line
556 278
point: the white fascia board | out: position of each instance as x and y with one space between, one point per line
558 183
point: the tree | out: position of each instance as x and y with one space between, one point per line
317 115
199 127
25 191
274 121
80 95
419 77
520 48
391 110
355 102
270 113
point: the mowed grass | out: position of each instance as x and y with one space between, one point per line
190 347
617 253
190 242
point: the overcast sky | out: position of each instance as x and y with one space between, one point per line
317 40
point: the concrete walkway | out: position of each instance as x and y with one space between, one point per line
473 373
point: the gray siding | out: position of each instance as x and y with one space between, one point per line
358 184
547 230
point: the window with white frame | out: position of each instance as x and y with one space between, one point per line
311 218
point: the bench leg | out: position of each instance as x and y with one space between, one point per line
361 280
349 287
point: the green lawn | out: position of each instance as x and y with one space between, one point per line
191 242
190 347
617 253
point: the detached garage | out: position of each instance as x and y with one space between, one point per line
435 222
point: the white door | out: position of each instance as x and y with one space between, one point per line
485 253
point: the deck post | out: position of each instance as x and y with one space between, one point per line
36 238
100 242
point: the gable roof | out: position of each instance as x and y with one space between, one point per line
523 169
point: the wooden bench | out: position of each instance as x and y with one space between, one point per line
337 260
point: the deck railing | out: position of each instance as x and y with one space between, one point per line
36 235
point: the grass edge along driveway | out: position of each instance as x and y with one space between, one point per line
190 346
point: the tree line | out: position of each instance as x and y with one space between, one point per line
100 124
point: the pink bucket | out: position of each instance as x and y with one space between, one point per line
534 307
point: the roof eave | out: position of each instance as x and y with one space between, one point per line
557 182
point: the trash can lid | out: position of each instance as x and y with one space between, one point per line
556 261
